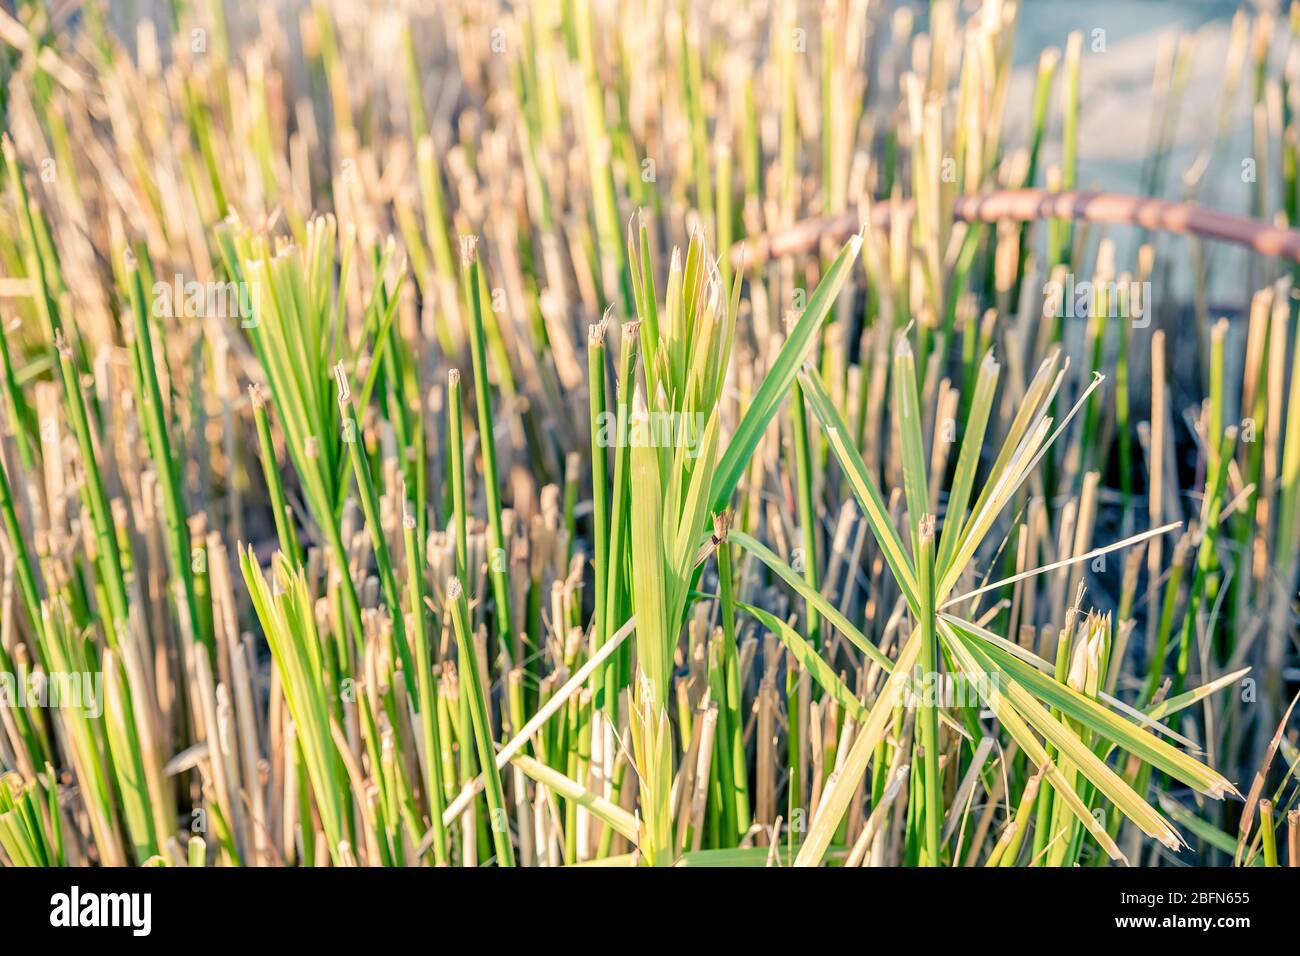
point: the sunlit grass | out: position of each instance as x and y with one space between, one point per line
628 425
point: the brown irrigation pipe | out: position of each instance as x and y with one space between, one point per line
1028 205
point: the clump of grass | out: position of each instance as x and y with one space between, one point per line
701 595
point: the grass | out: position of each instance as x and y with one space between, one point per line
835 546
